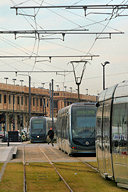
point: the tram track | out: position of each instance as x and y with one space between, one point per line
56 170
45 155
24 170
89 165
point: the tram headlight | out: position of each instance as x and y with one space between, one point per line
87 143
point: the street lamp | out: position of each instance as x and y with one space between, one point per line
105 63
43 85
57 87
70 89
65 88
21 82
87 91
6 79
29 109
14 81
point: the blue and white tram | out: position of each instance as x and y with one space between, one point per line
39 127
76 128
112 133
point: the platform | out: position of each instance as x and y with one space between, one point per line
6 153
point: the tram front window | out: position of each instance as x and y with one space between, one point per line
83 123
37 126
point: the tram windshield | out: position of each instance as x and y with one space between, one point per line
83 122
37 126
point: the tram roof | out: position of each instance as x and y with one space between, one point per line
122 89
119 90
78 104
107 93
42 117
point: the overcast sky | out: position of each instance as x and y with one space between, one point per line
113 50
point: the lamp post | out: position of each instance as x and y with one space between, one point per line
87 91
105 63
29 109
43 85
70 89
21 82
14 81
65 88
6 79
13 113
57 87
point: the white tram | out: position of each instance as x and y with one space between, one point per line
112 133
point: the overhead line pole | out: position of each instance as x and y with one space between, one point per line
52 102
78 80
29 98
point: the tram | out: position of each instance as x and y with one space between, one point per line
39 127
112 133
76 128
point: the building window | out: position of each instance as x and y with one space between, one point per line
18 100
22 100
0 98
4 98
47 102
26 100
13 99
41 102
44 102
55 104
37 101
9 99
33 101
56 94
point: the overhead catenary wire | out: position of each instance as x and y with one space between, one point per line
110 2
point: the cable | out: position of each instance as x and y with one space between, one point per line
19 3
36 54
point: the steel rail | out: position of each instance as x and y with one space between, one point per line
52 164
24 179
89 165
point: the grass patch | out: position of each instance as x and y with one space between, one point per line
1 164
12 180
94 164
42 177
82 178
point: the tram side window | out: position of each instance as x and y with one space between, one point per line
59 127
106 118
64 126
99 122
0 98
119 124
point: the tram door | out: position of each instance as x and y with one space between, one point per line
120 141
107 158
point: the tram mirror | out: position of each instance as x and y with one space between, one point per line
97 104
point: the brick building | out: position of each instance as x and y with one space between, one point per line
14 104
